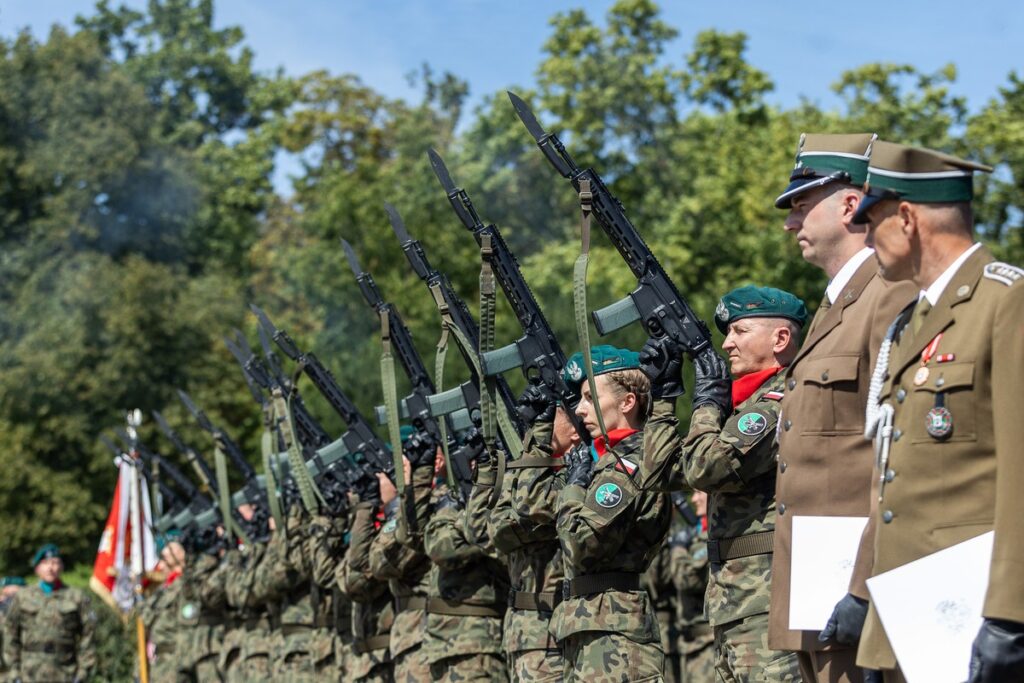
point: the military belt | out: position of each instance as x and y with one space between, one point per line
361 647
589 584
533 462
461 609
534 602
293 629
734 548
407 602
50 648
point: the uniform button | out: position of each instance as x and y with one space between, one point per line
889 475
939 382
792 384
787 425
901 394
896 434
782 508
782 467
824 376
887 516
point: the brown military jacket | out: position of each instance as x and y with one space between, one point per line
938 490
825 462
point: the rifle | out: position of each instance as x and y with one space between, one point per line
177 503
656 302
537 352
360 437
454 307
401 339
311 435
684 509
202 470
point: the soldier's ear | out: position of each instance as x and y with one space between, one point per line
908 217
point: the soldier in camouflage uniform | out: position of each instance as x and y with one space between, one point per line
48 630
657 581
730 452
253 660
469 586
332 640
689 566
9 585
201 612
522 526
397 556
609 529
160 617
372 605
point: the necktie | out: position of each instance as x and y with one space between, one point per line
918 316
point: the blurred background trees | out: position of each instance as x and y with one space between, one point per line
138 215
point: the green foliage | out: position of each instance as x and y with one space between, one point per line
137 215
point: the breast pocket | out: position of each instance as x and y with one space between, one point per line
832 402
952 386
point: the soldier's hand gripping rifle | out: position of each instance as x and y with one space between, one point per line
360 437
537 352
655 302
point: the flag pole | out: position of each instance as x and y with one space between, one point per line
137 562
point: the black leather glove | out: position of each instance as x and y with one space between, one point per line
537 403
712 384
368 489
421 449
661 360
846 622
448 501
579 466
998 652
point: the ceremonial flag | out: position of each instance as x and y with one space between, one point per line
126 549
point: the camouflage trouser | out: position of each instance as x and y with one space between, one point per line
207 669
38 666
535 666
292 661
599 657
742 654
699 666
479 667
412 666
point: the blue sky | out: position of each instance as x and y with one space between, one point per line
496 44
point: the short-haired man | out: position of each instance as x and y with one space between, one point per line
609 529
825 464
730 452
952 389
48 633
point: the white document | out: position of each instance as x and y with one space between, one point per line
931 609
824 553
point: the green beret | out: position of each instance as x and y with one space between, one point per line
46 552
407 431
823 158
759 302
167 537
11 581
604 358
916 174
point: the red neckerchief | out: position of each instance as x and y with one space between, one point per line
745 386
614 437
172 577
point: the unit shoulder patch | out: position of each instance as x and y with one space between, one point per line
1003 272
752 423
608 495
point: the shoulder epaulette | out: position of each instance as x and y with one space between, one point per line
1003 272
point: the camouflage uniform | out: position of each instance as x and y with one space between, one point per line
159 615
468 592
284 583
49 637
522 526
733 459
689 566
200 623
657 581
372 606
253 659
397 556
609 534
332 649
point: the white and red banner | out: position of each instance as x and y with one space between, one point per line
127 549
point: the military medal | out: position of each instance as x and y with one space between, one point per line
939 421
921 376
